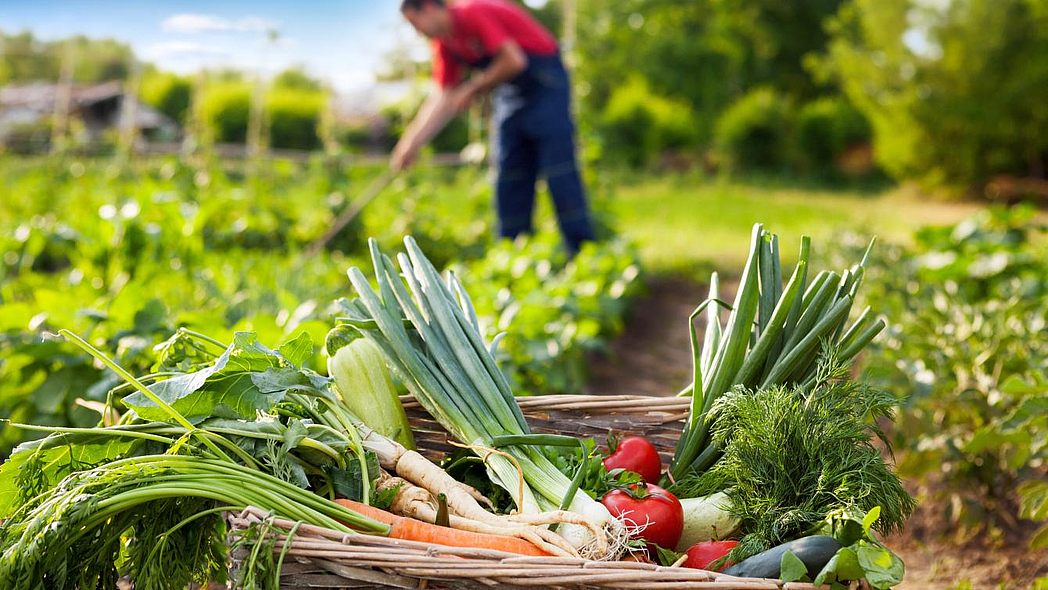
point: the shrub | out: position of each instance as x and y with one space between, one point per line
826 128
355 137
961 107
27 138
293 117
296 78
967 307
452 138
753 132
168 93
225 111
637 125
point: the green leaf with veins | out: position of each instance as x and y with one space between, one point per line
844 565
883 568
227 388
384 498
40 464
298 350
863 556
348 482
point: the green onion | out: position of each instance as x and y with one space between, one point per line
774 335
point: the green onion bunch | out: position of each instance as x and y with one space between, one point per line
774 335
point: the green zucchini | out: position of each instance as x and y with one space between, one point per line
815 552
364 385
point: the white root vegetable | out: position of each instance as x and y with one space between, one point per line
588 528
609 544
706 519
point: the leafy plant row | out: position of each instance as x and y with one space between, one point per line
126 257
967 347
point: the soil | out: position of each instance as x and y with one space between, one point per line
653 357
934 560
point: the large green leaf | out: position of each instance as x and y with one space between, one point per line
842 566
1035 507
298 350
228 388
882 568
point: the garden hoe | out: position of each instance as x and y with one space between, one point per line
351 210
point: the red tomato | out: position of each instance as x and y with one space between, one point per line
701 555
638 455
652 506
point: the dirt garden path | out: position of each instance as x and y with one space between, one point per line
653 357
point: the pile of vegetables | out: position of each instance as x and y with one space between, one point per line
774 335
777 472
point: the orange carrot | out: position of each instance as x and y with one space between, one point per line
368 511
410 529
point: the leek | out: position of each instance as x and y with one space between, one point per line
431 337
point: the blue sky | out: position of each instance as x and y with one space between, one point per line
342 41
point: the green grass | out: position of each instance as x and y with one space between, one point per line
685 224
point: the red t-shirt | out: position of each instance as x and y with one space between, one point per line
480 29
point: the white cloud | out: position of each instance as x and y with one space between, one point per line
182 48
351 80
254 23
194 23
199 23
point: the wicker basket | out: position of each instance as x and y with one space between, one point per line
323 558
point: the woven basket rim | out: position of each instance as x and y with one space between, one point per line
570 401
426 561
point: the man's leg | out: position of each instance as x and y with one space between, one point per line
516 169
556 155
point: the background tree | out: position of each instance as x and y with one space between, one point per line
956 92
25 58
168 93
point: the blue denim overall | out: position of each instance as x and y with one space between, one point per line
533 135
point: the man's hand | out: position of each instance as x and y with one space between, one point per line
404 155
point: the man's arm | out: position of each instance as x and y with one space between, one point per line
508 63
434 115
443 105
